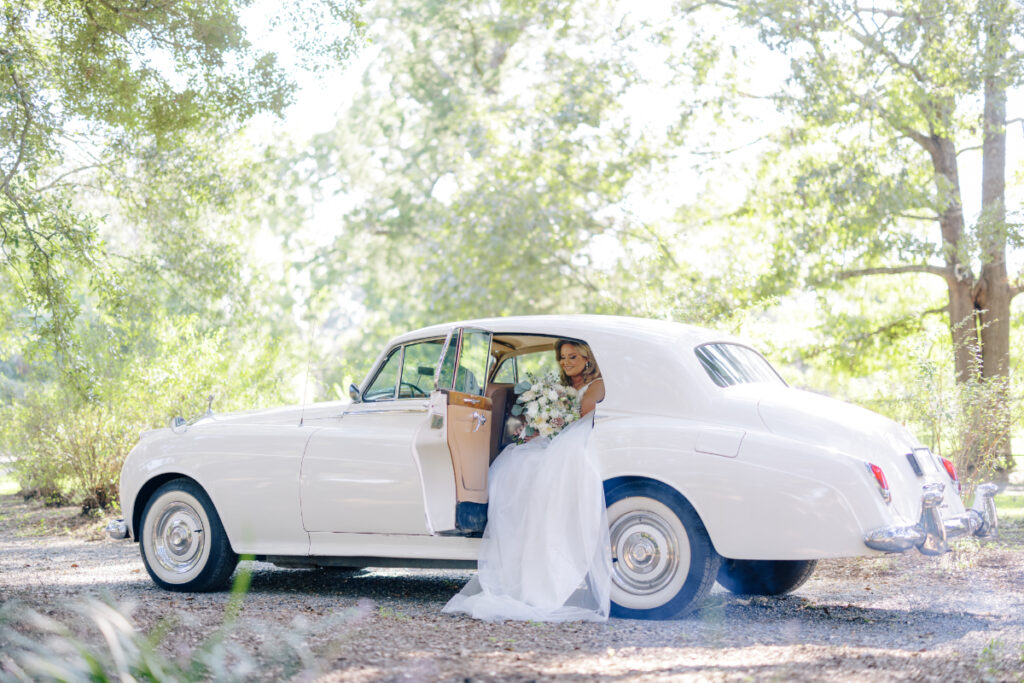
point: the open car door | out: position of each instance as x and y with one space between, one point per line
452 448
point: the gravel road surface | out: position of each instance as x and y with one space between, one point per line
959 617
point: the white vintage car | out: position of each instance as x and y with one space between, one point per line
714 468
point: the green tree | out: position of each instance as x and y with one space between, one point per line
489 161
885 99
94 91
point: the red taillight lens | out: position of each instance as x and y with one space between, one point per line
883 484
951 471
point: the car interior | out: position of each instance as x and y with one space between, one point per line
479 413
514 358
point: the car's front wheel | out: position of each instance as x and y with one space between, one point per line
183 543
764 577
663 562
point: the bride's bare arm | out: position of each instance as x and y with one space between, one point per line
593 396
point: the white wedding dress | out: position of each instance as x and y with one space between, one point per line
545 554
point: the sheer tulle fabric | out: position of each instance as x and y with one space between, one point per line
545 552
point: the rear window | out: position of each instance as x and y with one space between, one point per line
731 364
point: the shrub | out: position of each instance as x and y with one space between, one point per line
967 422
69 448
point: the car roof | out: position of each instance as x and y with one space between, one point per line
583 327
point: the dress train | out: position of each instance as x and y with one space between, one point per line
545 551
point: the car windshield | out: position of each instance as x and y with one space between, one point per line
731 364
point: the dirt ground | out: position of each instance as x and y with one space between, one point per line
959 617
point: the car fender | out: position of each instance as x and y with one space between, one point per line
250 472
774 499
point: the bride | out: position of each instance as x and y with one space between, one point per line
545 551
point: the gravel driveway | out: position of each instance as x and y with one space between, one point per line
959 617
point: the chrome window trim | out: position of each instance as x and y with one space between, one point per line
380 411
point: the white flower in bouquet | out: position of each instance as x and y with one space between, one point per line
546 407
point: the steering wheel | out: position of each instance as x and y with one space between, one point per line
413 389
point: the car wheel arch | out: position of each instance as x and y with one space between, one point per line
615 482
149 488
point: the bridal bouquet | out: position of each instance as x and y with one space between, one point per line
544 407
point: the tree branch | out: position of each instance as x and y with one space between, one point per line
28 120
872 104
712 153
708 3
915 217
892 14
968 149
53 183
894 270
880 330
872 43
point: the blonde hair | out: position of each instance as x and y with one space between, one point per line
590 372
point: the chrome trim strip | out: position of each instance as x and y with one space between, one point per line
391 411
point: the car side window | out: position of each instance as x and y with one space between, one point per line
473 362
538 364
506 373
444 380
382 388
418 369
731 364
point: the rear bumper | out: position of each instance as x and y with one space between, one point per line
932 532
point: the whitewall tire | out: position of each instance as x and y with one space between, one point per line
663 562
183 543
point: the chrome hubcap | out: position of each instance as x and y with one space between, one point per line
178 538
645 552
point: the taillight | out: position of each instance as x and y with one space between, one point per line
951 471
883 484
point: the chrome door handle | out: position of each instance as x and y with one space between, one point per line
479 419
471 401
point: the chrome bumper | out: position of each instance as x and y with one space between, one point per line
932 533
117 530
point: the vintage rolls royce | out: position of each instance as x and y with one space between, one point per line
714 468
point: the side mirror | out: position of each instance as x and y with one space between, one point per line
353 392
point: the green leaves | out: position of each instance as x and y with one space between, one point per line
125 110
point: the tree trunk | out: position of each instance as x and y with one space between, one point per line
993 293
959 281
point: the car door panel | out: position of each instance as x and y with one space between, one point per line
358 476
469 435
453 447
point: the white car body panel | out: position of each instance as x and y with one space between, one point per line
357 475
773 472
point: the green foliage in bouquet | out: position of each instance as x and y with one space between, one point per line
545 407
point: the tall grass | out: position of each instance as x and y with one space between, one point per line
36 647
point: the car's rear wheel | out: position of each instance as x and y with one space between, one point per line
183 543
764 577
663 562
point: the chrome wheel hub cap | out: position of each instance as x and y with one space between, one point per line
178 538
645 553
